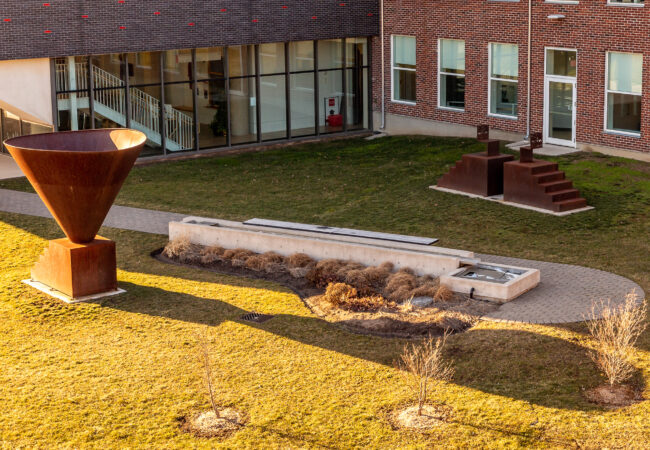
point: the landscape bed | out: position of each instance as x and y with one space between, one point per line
376 300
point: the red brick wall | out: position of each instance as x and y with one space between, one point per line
592 27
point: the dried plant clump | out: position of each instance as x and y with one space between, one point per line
256 263
272 257
399 285
212 254
344 296
357 278
325 272
182 250
426 289
443 294
300 260
615 333
237 253
339 293
424 366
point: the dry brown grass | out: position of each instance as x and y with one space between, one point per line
212 254
300 260
423 365
615 335
443 294
344 296
376 285
183 250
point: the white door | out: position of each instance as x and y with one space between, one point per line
560 74
560 111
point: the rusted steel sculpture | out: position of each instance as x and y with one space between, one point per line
539 183
78 174
478 173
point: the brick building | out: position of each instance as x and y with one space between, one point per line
450 65
192 75
208 74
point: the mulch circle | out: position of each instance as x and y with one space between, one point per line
617 396
206 424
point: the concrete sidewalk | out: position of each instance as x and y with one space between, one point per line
8 168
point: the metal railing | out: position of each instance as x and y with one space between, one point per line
144 109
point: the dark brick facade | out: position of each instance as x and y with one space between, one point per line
35 29
592 27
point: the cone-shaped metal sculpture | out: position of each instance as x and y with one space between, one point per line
78 174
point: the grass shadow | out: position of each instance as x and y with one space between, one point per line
522 365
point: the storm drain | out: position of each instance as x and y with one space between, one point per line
256 317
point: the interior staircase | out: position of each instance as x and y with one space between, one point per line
540 184
109 102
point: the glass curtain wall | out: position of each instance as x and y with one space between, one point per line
211 99
192 99
242 94
302 88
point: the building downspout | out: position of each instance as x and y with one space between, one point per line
530 37
383 66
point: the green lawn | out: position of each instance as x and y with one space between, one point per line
118 375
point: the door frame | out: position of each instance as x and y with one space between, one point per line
560 79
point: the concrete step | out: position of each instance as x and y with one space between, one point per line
554 186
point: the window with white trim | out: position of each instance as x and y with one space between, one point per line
624 89
625 2
451 74
504 74
403 68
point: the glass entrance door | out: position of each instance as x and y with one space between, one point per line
560 97
560 112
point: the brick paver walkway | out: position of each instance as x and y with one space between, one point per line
564 295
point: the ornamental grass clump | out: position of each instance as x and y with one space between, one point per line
614 334
342 295
425 368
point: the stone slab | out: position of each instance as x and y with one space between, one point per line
66 298
341 231
499 199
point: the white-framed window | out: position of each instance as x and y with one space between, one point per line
626 2
451 74
403 64
624 90
503 83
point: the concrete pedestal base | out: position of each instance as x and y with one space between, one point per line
78 270
477 173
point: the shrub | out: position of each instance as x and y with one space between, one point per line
424 364
615 333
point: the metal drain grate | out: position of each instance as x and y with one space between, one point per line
256 317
